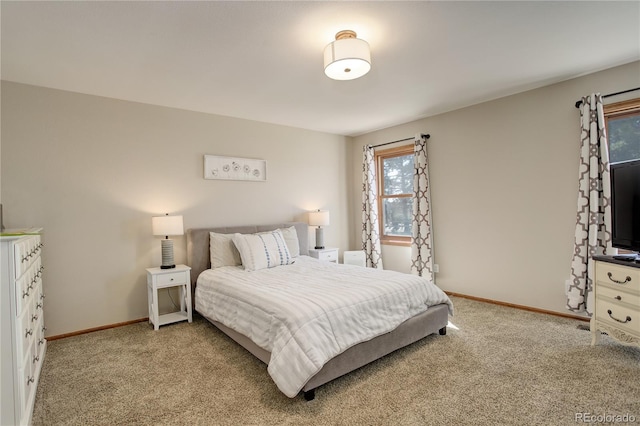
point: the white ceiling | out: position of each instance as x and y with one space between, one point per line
262 60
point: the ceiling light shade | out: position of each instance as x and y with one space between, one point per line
347 58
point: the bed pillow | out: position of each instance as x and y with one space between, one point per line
291 238
262 250
222 250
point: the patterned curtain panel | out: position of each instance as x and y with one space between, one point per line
422 236
370 233
593 221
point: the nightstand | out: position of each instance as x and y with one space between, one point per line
328 254
158 278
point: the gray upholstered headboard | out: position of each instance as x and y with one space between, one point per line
198 243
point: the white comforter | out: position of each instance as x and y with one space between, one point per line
309 312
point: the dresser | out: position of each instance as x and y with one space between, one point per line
21 324
617 300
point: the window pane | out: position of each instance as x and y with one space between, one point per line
398 175
396 216
624 138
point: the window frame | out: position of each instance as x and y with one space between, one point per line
628 108
380 156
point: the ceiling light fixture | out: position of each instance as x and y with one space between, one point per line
347 58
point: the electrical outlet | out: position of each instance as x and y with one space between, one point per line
436 268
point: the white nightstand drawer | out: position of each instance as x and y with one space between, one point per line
329 256
174 278
325 254
618 276
620 316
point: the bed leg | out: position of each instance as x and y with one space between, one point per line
443 331
310 395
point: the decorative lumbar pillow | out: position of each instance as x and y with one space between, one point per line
222 250
291 238
262 250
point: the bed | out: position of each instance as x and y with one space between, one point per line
319 361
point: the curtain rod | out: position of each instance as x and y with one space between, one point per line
610 94
426 136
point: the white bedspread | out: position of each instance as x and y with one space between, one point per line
309 312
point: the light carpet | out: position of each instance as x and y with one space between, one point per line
496 365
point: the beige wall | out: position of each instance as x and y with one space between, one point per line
93 171
504 190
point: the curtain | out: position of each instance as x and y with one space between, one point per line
422 236
593 220
370 227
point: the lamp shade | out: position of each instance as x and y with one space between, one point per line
167 225
319 218
347 57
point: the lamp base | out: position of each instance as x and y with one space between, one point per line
319 238
167 254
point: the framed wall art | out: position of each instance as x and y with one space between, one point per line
234 168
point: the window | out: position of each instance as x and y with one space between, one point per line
623 130
395 192
622 120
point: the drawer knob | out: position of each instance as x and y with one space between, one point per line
618 298
628 319
626 280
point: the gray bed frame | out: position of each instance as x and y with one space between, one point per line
434 320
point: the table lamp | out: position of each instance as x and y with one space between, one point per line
319 218
167 225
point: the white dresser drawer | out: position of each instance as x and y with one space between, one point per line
23 294
618 276
620 296
26 377
28 284
29 371
26 332
26 252
621 317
